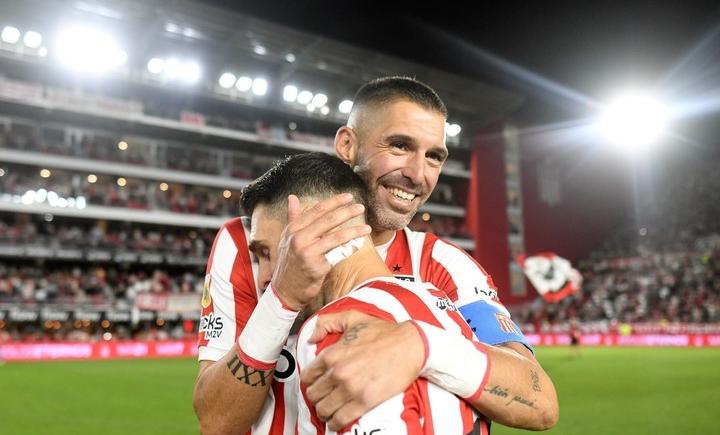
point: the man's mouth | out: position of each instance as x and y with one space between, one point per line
400 193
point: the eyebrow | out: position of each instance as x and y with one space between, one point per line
399 137
255 245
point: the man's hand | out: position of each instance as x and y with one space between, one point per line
308 236
374 361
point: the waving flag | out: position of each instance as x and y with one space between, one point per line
551 275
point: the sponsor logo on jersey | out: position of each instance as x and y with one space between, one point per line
355 430
445 304
206 298
409 278
506 324
211 325
286 366
492 294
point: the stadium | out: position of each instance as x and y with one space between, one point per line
129 129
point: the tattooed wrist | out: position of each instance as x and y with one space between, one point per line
249 375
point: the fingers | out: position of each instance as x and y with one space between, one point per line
321 208
294 208
346 414
328 222
337 322
328 405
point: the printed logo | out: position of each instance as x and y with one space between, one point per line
355 430
285 367
206 298
445 304
211 325
408 278
506 324
492 294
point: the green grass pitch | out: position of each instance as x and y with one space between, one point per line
605 391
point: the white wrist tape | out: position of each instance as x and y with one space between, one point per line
262 339
336 255
453 362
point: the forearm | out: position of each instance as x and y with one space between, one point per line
505 385
229 395
518 392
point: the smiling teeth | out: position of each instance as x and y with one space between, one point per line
401 194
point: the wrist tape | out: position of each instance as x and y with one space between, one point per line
265 333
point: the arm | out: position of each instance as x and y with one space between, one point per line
391 357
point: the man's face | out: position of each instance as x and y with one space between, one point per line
265 231
400 153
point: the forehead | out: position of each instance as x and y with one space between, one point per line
410 119
265 226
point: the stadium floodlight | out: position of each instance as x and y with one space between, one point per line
324 110
89 50
290 57
452 129
634 121
259 49
42 52
259 86
173 69
290 93
310 108
345 106
304 97
10 34
191 71
156 65
319 100
244 84
32 39
227 80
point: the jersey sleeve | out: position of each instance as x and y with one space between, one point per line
472 290
229 293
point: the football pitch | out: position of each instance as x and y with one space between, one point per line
605 391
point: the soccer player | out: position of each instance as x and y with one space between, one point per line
395 140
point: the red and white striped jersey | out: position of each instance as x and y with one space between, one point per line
423 408
229 298
424 257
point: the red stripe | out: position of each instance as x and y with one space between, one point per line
202 341
412 302
241 276
426 345
252 362
278 422
411 413
432 271
314 419
425 411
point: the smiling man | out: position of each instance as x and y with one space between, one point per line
395 140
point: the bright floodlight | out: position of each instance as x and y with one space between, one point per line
453 129
244 84
324 110
319 100
304 97
259 86
89 50
32 39
10 34
156 65
634 121
191 72
290 93
345 106
227 80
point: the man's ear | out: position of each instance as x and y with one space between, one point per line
346 143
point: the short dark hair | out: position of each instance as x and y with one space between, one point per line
307 174
386 90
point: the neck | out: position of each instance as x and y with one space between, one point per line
380 237
363 265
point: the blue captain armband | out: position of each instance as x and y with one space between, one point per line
492 324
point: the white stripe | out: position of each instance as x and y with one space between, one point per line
264 422
382 300
445 411
223 298
416 241
387 417
305 354
465 273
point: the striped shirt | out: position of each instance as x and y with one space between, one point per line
421 409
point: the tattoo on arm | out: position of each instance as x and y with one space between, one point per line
535 381
352 333
249 375
497 390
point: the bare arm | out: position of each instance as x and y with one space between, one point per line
229 395
351 377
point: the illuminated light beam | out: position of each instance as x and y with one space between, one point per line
701 51
522 77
